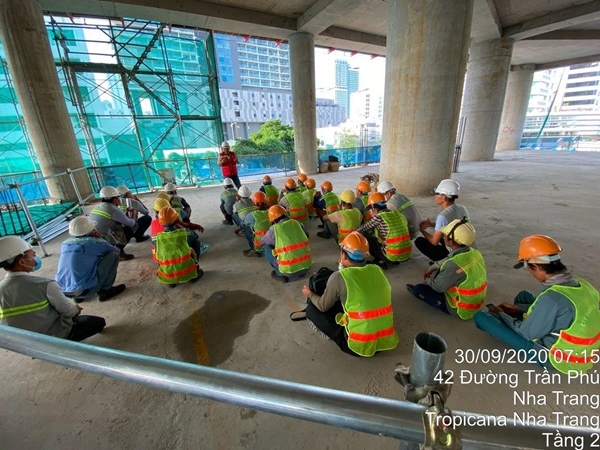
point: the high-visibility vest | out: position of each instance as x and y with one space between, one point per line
332 202
397 243
155 228
368 316
245 210
309 196
577 346
176 202
176 261
468 297
351 220
301 188
100 212
228 193
272 194
367 213
297 206
261 226
291 247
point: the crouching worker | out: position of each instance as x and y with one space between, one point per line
456 285
286 246
355 311
177 262
560 327
228 199
35 303
88 264
256 224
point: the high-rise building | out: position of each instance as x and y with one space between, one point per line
346 82
367 105
542 91
580 88
255 86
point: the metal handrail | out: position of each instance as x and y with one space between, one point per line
385 417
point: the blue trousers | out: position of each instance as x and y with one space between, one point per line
431 297
249 235
268 249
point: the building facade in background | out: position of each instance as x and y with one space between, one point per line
346 82
255 86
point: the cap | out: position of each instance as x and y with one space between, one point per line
537 260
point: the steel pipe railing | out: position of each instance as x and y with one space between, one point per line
385 417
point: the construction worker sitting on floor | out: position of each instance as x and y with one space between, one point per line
355 311
179 203
456 285
560 327
431 244
242 207
256 224
35 303
343 222
326 202
88 263
387 233
286 246
309 196
177 262
111 222
270 191
134 208
228 199
294 202
402 203
362 197
302 182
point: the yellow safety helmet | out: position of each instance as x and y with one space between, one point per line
347 196
160 203
460 231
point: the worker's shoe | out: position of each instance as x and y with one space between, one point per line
143 238
323 234
280 278
107 294
239 232
227 222
200 273
126 256
250 252
174 285
321 226
410 288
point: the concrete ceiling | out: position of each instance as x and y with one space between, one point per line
548 33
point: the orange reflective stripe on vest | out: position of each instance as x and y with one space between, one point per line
168 262
463 291
361 337
578 340
289 248
464 305
404 237
289 262
400 251
370 314
177 274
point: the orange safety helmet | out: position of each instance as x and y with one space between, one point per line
302 177
167 215
258 198
363 186
267 179
275 212
538 248
356 246
310 183
376 197
327 186
290 183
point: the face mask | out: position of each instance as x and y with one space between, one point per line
37 265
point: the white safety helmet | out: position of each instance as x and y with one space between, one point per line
81 226
385 186
122 190
108 192
225 144
449 188
170 187
11 246
244 191
227 182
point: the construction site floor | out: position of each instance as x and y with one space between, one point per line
244 325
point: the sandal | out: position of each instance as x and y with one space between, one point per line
297 316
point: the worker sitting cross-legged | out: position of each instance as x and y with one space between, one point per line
560 327
456 285
294 201
402 203
35 303
309 196
286 246
355 311
387 233
326 202
177 262
256 224
343 222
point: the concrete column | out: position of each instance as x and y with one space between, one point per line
302 65
38 89
514 111
487 73
426 55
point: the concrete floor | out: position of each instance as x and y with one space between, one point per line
245 326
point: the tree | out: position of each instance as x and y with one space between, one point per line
274 129
348 140
246 147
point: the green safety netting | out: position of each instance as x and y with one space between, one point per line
15 221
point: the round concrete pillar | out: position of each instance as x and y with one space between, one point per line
426 55
487 73
302 65
514 111
40 95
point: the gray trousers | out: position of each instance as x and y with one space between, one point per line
106 273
